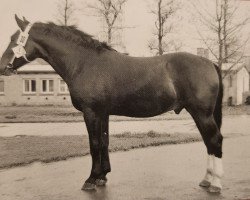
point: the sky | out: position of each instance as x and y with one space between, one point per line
136 16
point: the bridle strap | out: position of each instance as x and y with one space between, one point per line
27 30
25 58
28 27
22 42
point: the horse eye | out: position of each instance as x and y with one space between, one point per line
12 39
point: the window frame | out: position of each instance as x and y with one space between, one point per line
2 92
47 86
59 87
30 86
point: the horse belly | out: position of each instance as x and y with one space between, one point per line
148 104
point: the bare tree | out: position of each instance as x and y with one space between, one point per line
164 12
66 12
224 32
110 11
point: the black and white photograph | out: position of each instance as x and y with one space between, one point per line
124 99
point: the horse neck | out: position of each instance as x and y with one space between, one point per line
62 56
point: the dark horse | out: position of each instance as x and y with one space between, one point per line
104 82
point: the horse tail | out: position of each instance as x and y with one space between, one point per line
218 106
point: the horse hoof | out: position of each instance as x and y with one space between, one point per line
214 189
88 186
101 182
205 183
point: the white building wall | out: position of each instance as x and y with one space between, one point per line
14 91
242 85
230 91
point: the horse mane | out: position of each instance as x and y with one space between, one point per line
73 34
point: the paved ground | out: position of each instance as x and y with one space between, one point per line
155 173
231 125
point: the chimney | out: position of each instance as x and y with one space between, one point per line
203 52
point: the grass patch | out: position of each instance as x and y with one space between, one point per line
48 113
23 150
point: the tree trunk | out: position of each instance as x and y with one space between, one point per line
109 35
220 60
225 45
65 13
160 49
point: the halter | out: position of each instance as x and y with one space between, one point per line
19 50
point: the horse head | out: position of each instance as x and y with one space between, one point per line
21 50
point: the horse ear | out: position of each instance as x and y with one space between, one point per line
25 20
20 23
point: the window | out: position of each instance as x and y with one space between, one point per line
29 86
243 84
47 86
230 101
63 88
1 86
230 81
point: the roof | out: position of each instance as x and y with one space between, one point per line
36 68
233 67
38 61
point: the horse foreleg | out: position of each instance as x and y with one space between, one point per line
101 181
93 124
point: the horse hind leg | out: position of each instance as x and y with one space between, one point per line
206 182
213 141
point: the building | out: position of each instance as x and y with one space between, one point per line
36 84
236 83
236 79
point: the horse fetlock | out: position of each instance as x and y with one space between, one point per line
218 167
208 177
210 164
218 174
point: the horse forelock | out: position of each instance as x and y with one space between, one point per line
71 33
